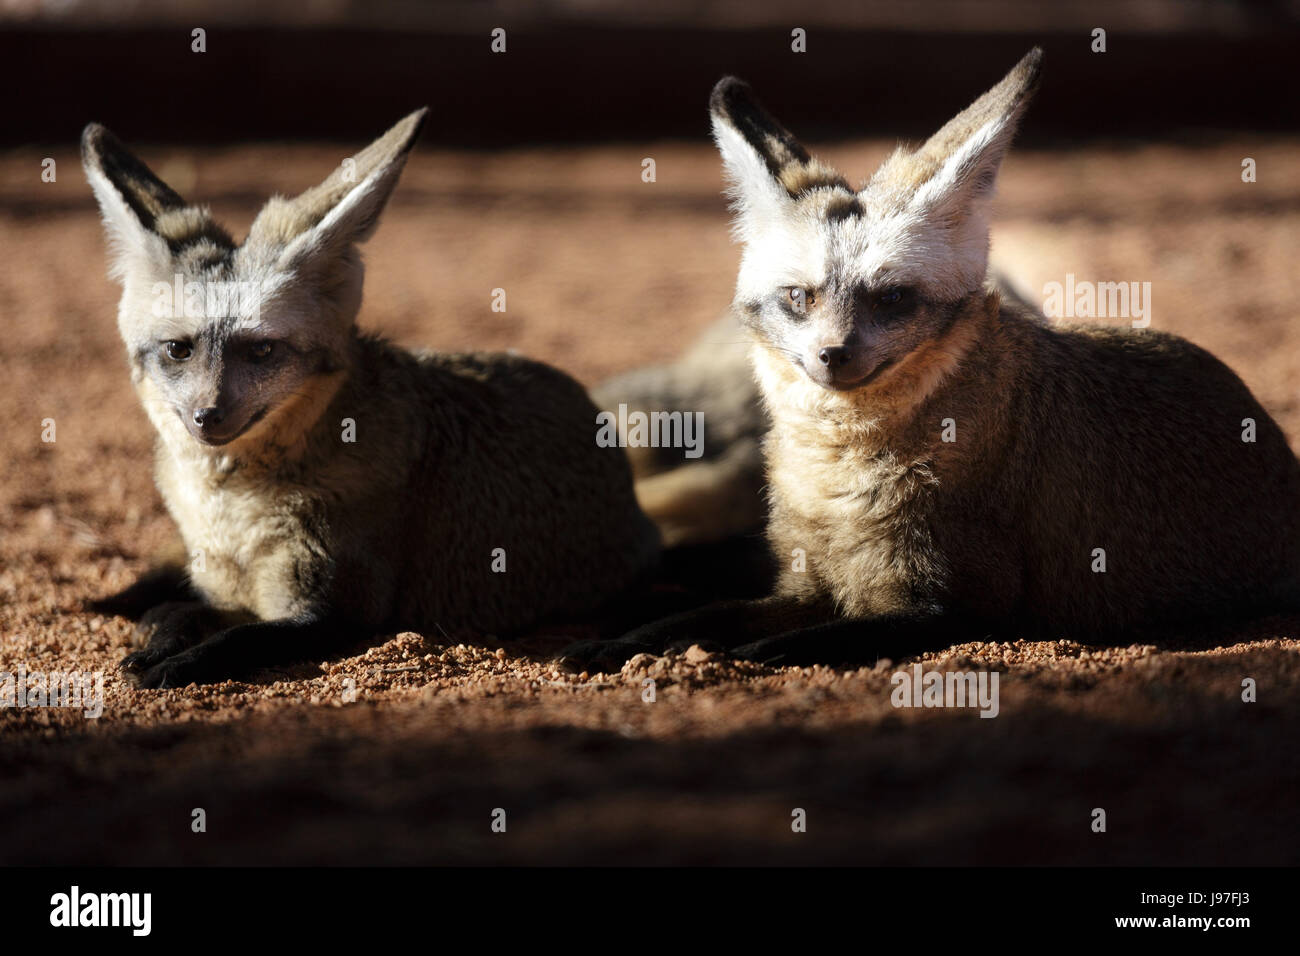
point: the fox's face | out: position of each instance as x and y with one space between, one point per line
217 348
233 343
845 284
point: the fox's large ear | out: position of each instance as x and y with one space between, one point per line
958 166
766 166
324 222
145 219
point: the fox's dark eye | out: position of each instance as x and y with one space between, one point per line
801 299
895 299
261 350
178 351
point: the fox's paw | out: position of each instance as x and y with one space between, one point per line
840 646
759 652
187 667
600 656
137 662
782 650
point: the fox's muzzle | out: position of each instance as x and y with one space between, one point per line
843 367
213 425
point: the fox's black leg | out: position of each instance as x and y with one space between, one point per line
156 586
862 642
238 651
169 629
724 624
635 611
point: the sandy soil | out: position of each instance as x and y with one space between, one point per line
604 272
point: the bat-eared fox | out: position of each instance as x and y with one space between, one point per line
943 463
329 486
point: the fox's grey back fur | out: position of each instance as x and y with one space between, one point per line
453 457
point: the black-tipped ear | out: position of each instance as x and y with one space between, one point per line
734 105
145 220
765 164
141 192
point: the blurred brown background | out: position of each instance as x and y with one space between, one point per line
593 70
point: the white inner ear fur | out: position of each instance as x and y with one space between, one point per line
782 247
978 158
131 247
953 207
351 220
757 199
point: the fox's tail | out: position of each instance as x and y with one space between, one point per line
718 495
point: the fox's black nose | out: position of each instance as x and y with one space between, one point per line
208 417
835 356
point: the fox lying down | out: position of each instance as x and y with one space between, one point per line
329 486
941 461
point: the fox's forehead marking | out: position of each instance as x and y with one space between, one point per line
877 250
213 335
203 259
836 240
797 249
803 178
189 228
832 203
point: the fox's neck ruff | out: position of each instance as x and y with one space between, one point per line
849 473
